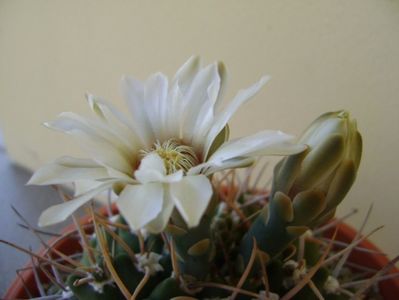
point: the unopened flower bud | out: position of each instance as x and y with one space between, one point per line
328 167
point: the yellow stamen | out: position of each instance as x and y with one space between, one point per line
175 156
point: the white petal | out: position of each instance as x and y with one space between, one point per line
152 169
206 115
120 125
208 168
222 86
140 204
174 113
191 196
155 96
267 142
225 115
58 213
84 186
69 161
161 220
185 75
202 126
133 91
113 173
174 177
69 122
196 97
100 144
68 169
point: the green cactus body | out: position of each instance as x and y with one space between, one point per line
166 289
195 246
87 292
194 249
128 237
103 286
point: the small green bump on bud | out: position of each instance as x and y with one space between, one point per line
199 248
297 230
321 161
308 205
286 172
283 206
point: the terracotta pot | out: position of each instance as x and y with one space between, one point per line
67 246
389 288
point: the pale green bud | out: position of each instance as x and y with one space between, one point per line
328 167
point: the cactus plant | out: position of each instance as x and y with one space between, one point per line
187 227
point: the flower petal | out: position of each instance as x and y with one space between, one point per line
191 196
208 168
58 213
173 113
68 169
140 204
102 145
152 169
206 115
159 223
185 75
119 124
84 186
266 142
225 115
222 86
133 91
155 96
196 97
241 152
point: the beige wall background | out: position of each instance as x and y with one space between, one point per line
322 55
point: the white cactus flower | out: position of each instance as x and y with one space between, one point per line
162 156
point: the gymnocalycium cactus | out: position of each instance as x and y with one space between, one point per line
183 230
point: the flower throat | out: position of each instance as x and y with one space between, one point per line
175 156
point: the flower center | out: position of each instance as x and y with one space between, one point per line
175 156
